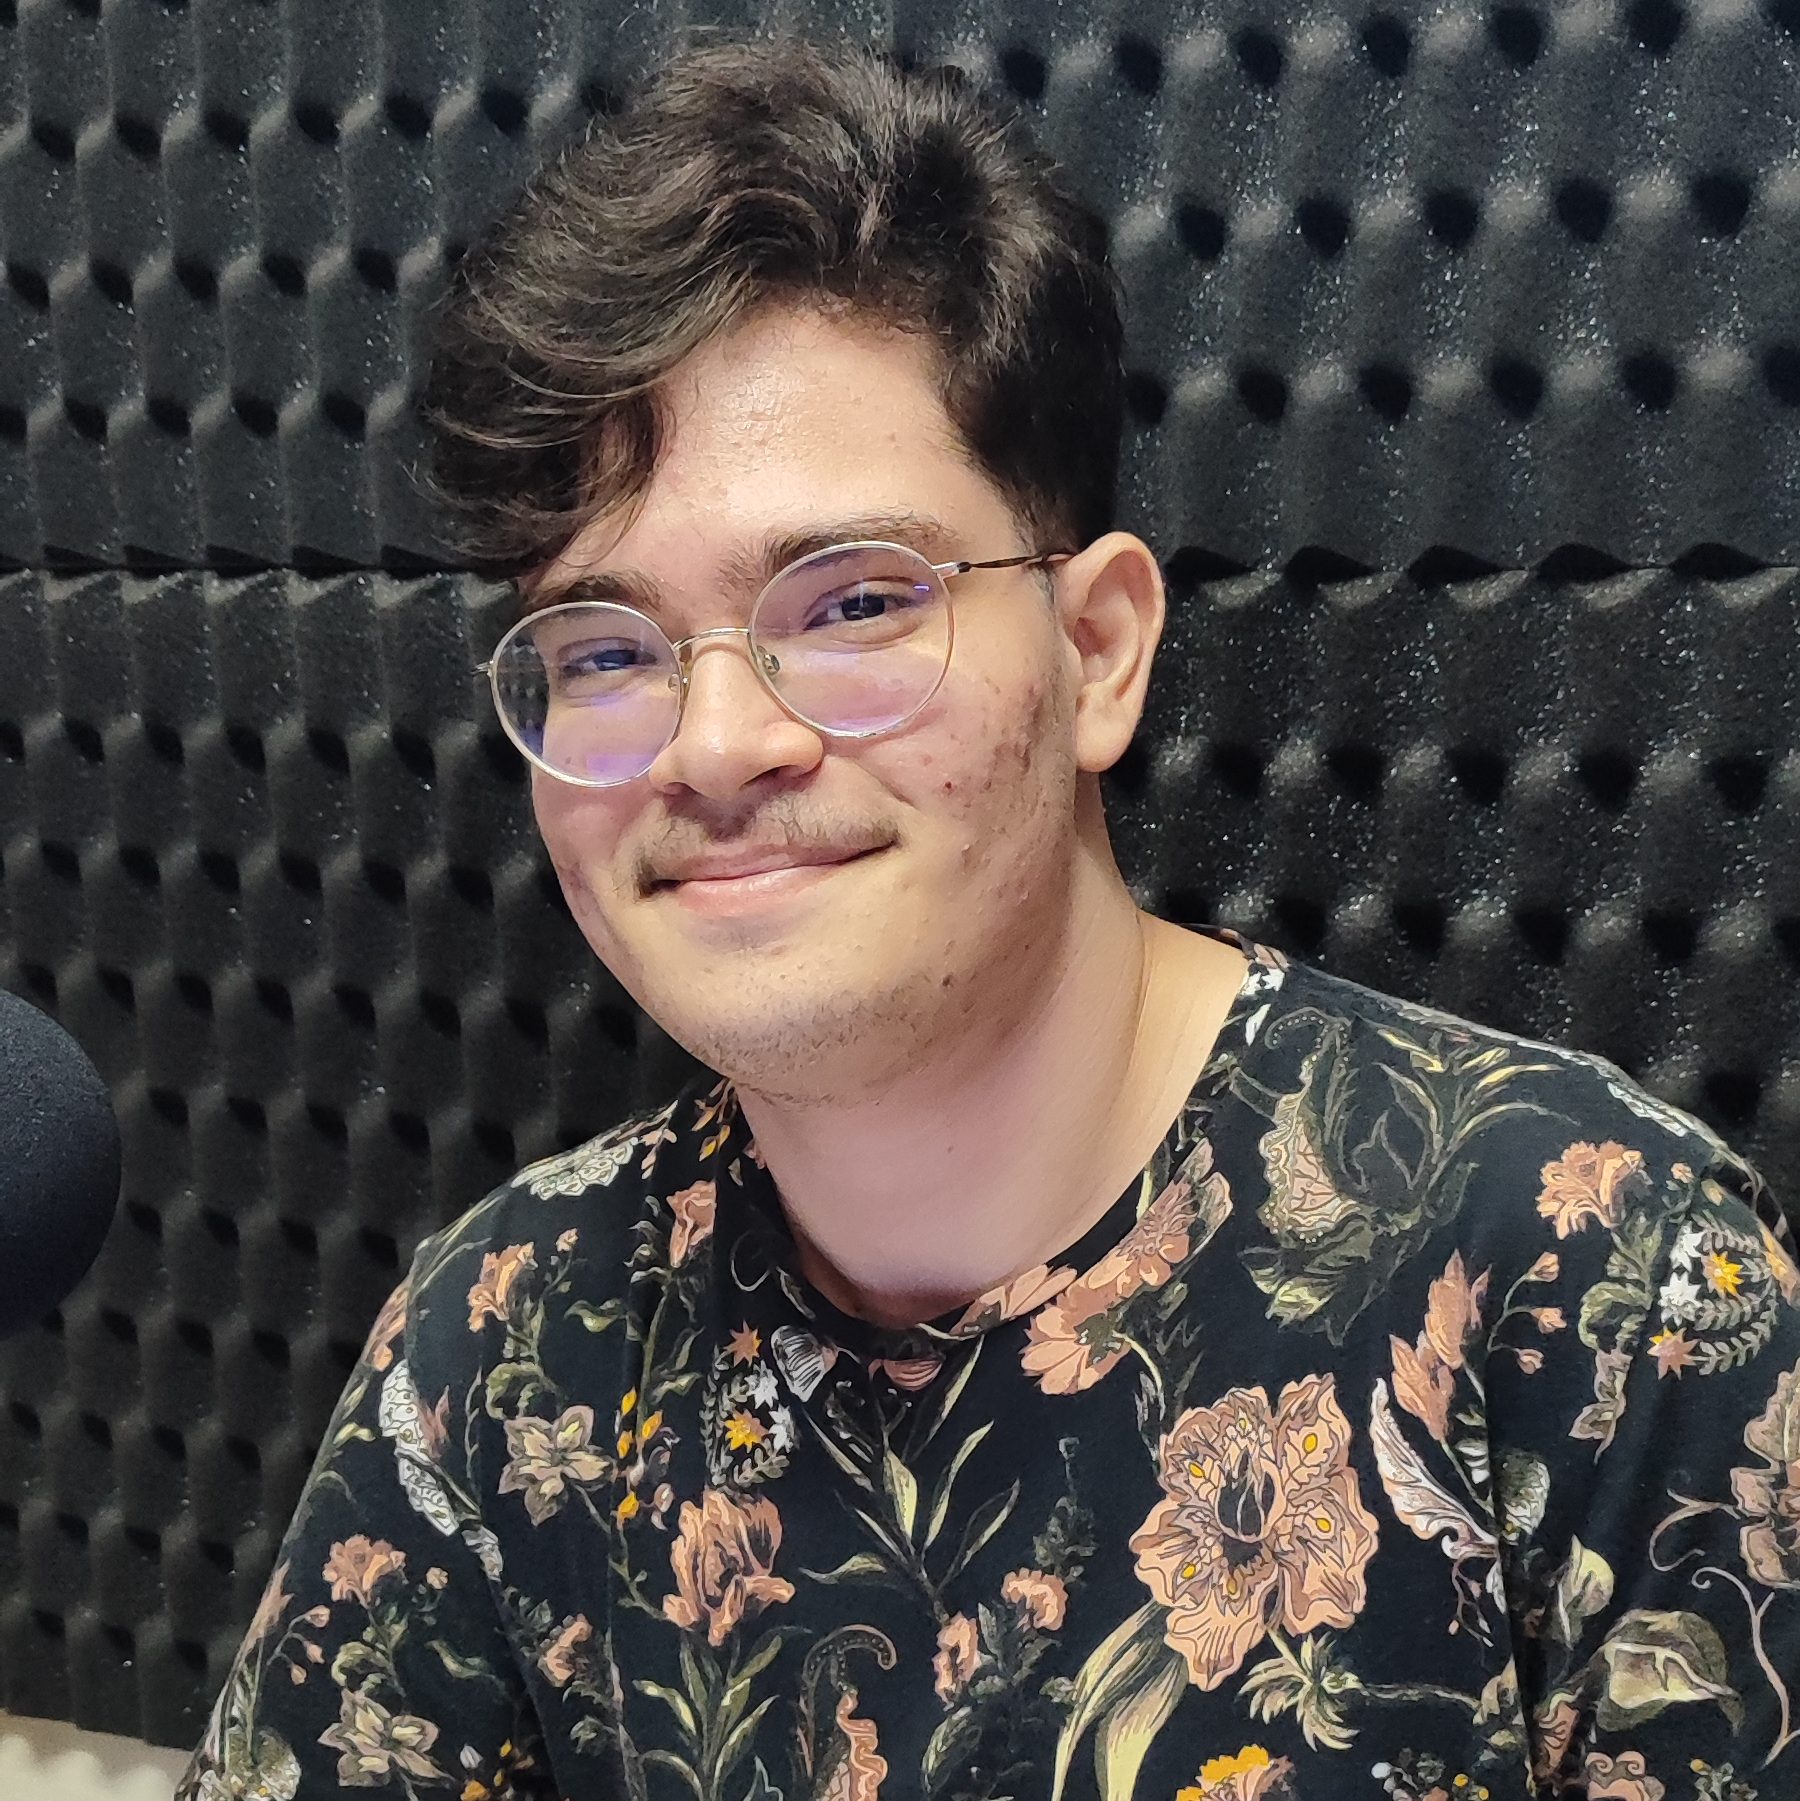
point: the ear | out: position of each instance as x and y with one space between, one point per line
1111 605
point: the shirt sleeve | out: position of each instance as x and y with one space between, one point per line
1644 1423
377 1657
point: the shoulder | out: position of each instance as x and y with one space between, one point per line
1402 1135
1518 1106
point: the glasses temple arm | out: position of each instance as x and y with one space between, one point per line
1043 556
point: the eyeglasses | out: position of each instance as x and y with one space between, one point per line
852 641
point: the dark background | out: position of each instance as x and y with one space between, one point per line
1465 352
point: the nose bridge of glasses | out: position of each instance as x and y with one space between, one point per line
680 645
762 664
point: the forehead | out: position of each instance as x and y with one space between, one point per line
788 434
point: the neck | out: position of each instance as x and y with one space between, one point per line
1008 1142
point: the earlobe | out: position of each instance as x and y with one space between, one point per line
1115 616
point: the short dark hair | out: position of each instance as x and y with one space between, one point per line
750 172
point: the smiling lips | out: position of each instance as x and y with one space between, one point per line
749 863
746 876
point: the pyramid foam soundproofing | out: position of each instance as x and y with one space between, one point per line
1464 348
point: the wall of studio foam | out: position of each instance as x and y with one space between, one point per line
1465 413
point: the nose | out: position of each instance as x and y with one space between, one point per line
733 730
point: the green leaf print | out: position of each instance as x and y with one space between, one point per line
1359 1173
1126 1734
940 1500
860 1566
353 1659
1583 1588
268 1771
597 1319
950 1745
463 1668
761 1788
903 1491
1652 1659
1114 1670
512 1387
984 1522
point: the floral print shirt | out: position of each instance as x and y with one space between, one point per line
1425 1422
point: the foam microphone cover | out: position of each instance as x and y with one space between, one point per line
59 1163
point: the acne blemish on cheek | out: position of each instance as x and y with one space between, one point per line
949 787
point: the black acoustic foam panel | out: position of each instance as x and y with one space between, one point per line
1400 276
1465 390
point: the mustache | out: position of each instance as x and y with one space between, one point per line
773 828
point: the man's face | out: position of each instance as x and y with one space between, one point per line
958 827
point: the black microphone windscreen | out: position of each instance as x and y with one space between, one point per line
59 1163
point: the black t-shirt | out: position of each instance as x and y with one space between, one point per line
1424 1421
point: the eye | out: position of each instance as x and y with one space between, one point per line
865 603
597 658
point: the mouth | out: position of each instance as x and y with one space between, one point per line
715 893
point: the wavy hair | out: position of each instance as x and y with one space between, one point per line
746 173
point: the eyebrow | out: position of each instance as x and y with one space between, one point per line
747 569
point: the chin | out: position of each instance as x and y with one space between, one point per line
809 1039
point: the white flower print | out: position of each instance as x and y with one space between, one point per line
588 1166
1679 1297
1687 1244
399 1419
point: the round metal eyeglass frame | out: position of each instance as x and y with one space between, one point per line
945 573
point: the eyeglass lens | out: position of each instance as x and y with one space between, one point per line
853 640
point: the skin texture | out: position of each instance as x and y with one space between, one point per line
954 1051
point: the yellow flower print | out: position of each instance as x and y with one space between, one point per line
1722 1275
498 1783
744 1432
1250 1774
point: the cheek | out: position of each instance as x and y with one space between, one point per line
1005 750
554 808
986 771
578 828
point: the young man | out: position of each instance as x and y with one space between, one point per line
1062 1354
